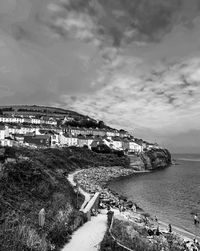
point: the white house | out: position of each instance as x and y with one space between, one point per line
6 119
52 121
55 139
35 121
134 147
2 132
110 133
153 146
117 143
108 142
85 141
67 119
49 121
68 140
8 141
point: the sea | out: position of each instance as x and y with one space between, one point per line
171 194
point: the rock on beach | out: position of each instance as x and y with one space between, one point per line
95 179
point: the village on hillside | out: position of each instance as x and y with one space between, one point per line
42 132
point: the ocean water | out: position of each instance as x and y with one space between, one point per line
171 194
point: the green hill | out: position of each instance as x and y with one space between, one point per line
73 118
35 180
40 110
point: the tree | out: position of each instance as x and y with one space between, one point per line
101 124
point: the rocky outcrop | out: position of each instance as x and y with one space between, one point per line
156 158
150 160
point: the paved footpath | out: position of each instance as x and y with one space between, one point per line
85 194
87 237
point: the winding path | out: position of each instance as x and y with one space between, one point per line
88 237
85 194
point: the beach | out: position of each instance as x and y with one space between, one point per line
97 179
172 194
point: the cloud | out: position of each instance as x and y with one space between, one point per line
114 22
168 104
111 26
133 63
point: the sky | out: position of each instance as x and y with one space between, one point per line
135 64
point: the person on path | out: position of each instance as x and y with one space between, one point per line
109 216
196 220
133 208
157 231
170 228
146 220
120 208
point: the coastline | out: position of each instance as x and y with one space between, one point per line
96 179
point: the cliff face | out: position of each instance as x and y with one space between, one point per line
150 160
156 158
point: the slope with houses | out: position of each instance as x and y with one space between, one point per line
35 131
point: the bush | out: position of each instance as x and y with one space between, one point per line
59 234
27 186
133 236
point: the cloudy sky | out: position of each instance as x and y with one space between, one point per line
133 63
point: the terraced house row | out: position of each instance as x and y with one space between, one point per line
58 137
28 119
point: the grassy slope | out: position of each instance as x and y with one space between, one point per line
27 186
134 236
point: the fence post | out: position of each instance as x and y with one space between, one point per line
41 217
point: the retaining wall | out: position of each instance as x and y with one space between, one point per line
92 204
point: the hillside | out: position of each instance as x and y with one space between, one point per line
72 118
36 179
40 110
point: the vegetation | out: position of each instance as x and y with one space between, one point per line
41 110
10 109
135 238
87 123
102 148
77 120
35 180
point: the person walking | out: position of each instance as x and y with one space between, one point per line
196 220
157 231
109 216
170 228
196 223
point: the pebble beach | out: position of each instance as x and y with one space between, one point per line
96 179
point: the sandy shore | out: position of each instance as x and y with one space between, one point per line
96 179
186 235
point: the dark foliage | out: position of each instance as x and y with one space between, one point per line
38 181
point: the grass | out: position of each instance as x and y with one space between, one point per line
27 186
134 237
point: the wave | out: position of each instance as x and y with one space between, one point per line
188 159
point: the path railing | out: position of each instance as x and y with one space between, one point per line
120 247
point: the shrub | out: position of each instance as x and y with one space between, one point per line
39 182
133 236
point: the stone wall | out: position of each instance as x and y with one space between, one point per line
92 204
